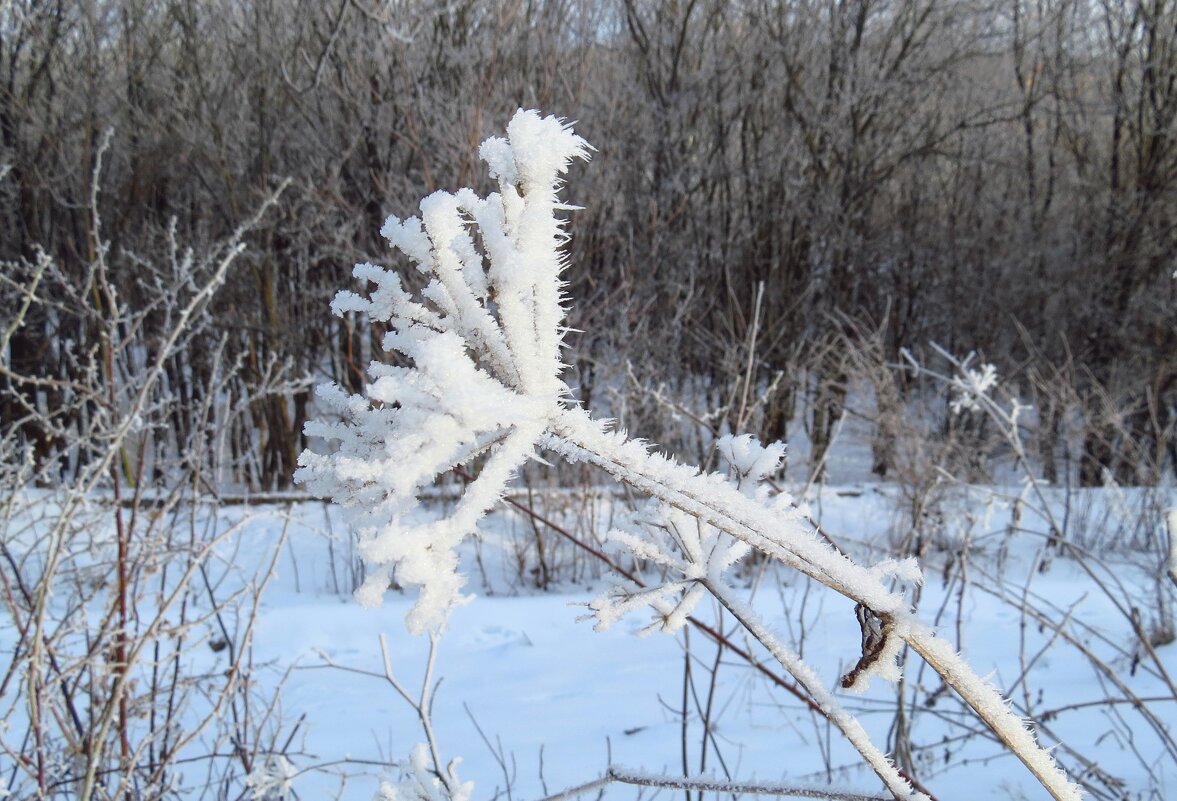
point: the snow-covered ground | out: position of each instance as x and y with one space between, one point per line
534 701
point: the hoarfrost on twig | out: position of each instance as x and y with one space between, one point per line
483 339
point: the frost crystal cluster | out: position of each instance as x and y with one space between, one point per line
420 782
483 339
474 374
687 551
972 385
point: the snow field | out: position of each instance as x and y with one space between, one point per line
559 702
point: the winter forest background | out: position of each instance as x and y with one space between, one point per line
993 177
798 217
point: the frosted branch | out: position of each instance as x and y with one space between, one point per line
483 339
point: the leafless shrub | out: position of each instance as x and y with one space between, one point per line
1116 538
129 661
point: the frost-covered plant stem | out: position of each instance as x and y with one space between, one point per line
422 704
484 338
723 506
1171 562
833 709
624 776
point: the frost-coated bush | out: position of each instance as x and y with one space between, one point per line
483 389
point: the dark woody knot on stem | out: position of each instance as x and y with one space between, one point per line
876 629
